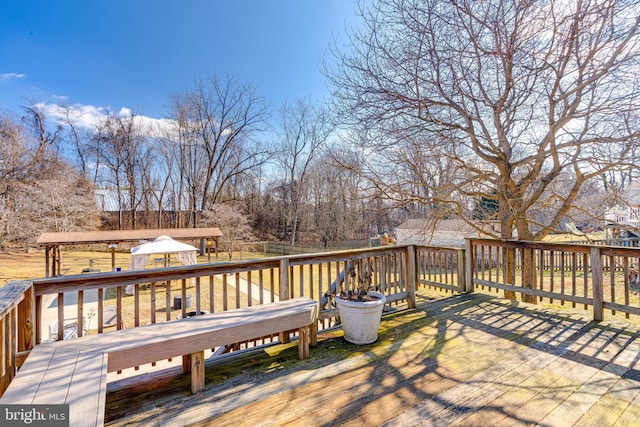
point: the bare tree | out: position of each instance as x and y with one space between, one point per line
233 223
38 191
524 103
122 152
217 123
79 138
13 151
303 132
14 167
164 181
43 137
335 199
60 201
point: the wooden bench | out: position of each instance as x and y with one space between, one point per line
75 371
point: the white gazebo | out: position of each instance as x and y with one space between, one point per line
161 245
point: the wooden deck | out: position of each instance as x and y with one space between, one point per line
470 360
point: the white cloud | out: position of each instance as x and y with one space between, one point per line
90 116
9 76
85 116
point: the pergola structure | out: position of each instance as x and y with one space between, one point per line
53 241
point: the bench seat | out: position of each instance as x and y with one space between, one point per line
75 371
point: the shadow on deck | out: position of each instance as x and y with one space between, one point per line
462 360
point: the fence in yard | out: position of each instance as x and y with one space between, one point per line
593 276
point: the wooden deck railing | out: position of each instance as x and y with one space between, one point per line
596 277
441 268
16 327
89 301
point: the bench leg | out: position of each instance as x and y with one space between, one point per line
197 371
303 342
314 334
283 337
186 363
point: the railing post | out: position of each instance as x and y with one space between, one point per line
461 266
468 263
38 319
596 281
283 336
9 348
411 276
529 273
284 279
26 321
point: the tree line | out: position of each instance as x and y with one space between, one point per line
511 115
216 160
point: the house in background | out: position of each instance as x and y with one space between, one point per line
623 220
628 213
447 232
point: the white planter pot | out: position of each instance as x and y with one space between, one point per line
361 320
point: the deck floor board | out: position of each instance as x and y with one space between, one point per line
457 361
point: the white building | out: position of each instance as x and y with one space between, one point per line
629 213
447 233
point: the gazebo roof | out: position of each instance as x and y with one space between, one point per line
116 236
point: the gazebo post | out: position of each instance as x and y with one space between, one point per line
113 256
59 261
46 260
53 261
203 245
57 265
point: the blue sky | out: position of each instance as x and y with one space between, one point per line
134 54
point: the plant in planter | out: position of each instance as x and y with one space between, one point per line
360 306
